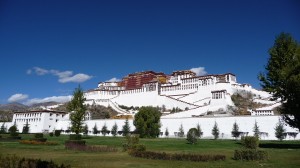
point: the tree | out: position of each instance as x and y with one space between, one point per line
126 128
85 129
95 129
167 132
3 129
147 122
114 130
104 129
199 130
13 131
235 130
256 130
279 131
26 128
77 107
215 131
282 77
181 131
192 135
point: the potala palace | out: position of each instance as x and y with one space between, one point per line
202 99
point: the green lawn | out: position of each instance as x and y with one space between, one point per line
282 154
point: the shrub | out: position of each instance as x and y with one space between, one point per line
13 131
12 161
39 135
176 156
57 133
250 154
51 134
131 140
34 142
74 146
250 142
139 147
76 142
192 136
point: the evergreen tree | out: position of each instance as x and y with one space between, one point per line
192 135
181 131
200 133
114 130
13 131
235 130
279 131
126 128
104 129
26 128
77 107
256 130
167 132
3 129
95 129
282 77
147 122
85 129
215 131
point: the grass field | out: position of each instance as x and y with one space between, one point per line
282 154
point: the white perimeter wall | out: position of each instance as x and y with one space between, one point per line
225 124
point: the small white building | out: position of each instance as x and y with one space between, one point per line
39 120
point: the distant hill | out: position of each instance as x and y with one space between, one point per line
13 107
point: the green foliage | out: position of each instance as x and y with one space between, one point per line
256 130
75 137
282 77
57 133
95 129
85 129
167 132
12 161
104 130
13 131
235 131
181 131
250 154
131 142
77 107
26 128
51 134
215 131
279 131
126 128
250 142
39 137
3 129
192 135
114 130
198 127
147 122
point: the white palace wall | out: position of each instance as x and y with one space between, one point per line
266 124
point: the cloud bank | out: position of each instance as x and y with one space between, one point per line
17 98
199 71
63 76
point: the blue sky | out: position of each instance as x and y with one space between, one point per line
49 47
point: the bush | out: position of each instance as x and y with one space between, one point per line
74 142
250 154
57 133
139 147
250 142
176 156
72 146
51 134
12 161
75 137
131 140
39 135
192 135
13 131
34 142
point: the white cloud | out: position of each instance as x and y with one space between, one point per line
59 99
113 80
17 97
199 71
78 78
63 76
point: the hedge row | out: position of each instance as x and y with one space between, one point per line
12 161
250 154
175 156
74 146
33 142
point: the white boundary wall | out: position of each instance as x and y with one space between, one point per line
225 124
